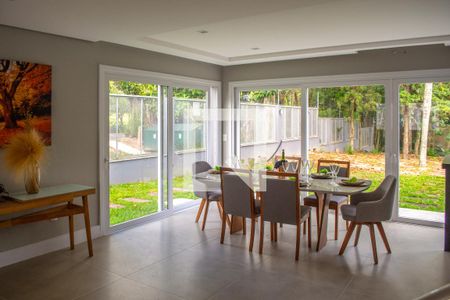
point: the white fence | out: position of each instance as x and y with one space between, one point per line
264 123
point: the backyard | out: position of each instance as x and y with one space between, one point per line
420 188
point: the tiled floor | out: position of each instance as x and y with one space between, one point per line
173 259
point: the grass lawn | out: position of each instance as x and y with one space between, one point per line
424 191
126 199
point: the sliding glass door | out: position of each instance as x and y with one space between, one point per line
133 150
347 123
189 131
269 119
153 127
425 139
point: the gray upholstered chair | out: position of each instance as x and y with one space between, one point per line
336 200
238 199
370 209
280 203
202 190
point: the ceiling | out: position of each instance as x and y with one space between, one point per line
239 31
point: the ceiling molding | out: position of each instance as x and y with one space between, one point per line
187 52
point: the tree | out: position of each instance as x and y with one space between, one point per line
426 111
11 75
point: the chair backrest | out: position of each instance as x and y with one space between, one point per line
200 188
237 192
344 165
296 159
280 197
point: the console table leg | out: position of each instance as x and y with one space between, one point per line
71 230
87 224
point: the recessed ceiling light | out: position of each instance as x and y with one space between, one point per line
254 48
203 31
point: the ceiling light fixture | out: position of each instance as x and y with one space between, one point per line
203 31
254 48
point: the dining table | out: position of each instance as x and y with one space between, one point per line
323 188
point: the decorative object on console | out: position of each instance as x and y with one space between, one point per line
23 156
25 94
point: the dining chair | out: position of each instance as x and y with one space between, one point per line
238 199
207 193
291 159
370 209
336 200
280 203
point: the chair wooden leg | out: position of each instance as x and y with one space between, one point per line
200 209
348 235
384 237
297 241
281 225
224 225
346 225
252 234
261 236
244 226
271 231
358 232
205 215
374 243
336 223
309 231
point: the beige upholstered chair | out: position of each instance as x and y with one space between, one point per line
280 203
370 209
238 199
336 200
202 190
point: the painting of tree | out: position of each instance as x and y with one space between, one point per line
25 97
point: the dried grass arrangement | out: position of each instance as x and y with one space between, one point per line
23 155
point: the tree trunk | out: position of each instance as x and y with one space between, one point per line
360 145
8 112
406 131
416 143
426 111
352 127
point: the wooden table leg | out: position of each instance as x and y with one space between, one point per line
87 224
323 201
71 229
236 224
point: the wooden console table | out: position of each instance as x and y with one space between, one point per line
48 198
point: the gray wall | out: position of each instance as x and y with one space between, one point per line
73 156
385 60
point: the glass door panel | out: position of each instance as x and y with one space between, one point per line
425 140
270 120
347 123
189 131
134 151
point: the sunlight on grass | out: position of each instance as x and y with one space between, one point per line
127 199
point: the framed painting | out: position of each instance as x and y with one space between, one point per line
25 98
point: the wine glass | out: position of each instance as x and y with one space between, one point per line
334 169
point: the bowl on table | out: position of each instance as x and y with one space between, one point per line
321 175
354 182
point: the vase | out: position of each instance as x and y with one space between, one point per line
32 178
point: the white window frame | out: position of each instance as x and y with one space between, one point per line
213 142
391 82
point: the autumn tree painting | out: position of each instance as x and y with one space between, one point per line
25 96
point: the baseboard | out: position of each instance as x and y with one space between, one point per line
16 255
